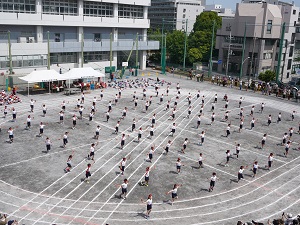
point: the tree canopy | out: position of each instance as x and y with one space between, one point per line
198 41
267 76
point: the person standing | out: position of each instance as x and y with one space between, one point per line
123 187
262 106
254 168
184 145
80 112
252 123
69 163
263 141
151 131
28 126
123 138
178 165
74 120
174 192
202 135
228 130
200 161
133 125
88 173
237 150
167 148
10 135
117 127
122 166
228 155
65 139
97 132
240 173
14 114
140 132
270 161
173 129
241 124
150 154
48 144
291 131
91 155
269 120
44 108
212 182
41 129
61 117
198 121
149 206
287 147
32 105
279 117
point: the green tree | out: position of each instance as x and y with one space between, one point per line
200 36
175 46
267 76
155 35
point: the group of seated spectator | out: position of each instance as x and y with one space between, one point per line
5 221
7 99
286 219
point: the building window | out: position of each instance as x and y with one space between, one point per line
269 27
287 75
294 12
57 7
64 57
95 56
183 16
289 66
268 55
184 10
98 9
97 37
17 6
131 11
57 37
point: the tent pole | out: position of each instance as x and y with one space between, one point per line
49 87
28 89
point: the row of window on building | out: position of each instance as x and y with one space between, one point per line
70 7
55 58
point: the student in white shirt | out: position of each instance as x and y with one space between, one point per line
149 206
123 187
174 192
212 182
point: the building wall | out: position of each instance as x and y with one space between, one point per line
67 28
262 39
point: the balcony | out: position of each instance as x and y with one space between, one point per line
65 20
91 46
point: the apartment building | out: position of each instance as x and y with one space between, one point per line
72 33
263 23
175 14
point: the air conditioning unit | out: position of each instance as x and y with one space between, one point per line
31 40
22 40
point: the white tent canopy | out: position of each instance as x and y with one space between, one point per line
81 73
41 76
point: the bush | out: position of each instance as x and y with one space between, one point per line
267 76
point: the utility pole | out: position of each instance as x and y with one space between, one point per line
163 56
48 45
280 52
10 60
82 46
137 54
243 53
110 55
185 43
211 48
162 46
228 55
252 57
